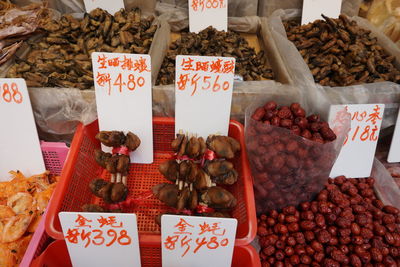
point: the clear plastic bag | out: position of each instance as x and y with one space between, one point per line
385 187
287 169
58 111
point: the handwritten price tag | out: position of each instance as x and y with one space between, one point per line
394 152
19 145
203 94
111 6
123 97
357 154
204 13
101 239
197 241
312 9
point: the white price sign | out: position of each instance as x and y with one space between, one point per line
19 145
111 6
312 9
203 94
197 241
394 152
356 157
205 13
101 239
123 98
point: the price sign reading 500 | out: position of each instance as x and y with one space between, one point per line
9 93
119 73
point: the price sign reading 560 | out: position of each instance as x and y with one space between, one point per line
9 93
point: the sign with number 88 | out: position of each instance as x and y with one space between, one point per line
10 93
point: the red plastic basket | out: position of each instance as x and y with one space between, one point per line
56 255
80 168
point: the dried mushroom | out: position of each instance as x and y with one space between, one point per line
62 57
210 42
340 53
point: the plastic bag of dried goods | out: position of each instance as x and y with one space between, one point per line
320 97
58 111
267 7
385 187
288 169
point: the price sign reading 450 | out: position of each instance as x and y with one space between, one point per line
197 241
101 239
9 92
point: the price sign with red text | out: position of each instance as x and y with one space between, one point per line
203 94
111 6
123 98
312 9
204 13
19 142
197 241
101 239
394 152
356 157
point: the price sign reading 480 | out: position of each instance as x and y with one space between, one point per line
116 72
101 239
197 241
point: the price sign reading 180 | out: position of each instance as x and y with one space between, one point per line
9 93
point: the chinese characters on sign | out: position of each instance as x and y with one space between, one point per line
198 74
203 90
19 131
82 232
133 72
196 241
123 98
356 157
204 13
89 234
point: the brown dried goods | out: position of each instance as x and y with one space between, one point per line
340 53
338 244
62 57
210 42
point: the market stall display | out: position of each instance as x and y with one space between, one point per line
62 57
23 203
81 168
283 79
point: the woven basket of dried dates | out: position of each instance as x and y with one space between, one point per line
290 154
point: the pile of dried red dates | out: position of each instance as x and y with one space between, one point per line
345 226
289 155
